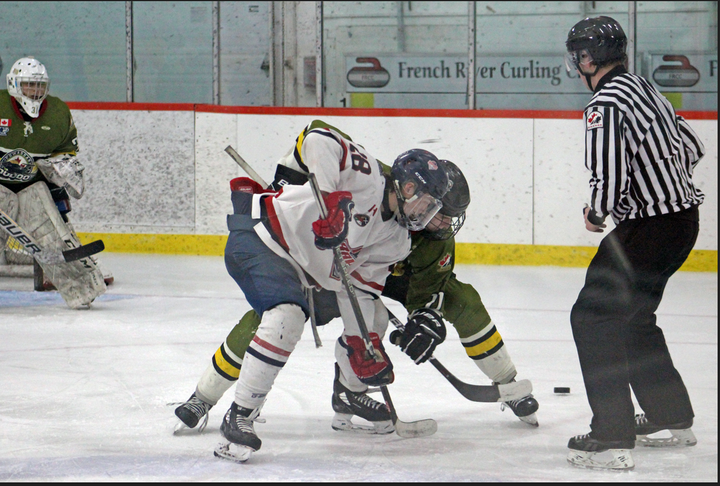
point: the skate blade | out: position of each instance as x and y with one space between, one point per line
343 422
620 460
514 390
182 429
411 430
233 452
679 438
530 420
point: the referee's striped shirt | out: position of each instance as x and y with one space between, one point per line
640 153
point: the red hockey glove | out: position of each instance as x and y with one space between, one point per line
424 330
374 372
332 231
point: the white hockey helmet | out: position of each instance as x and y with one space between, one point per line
28 83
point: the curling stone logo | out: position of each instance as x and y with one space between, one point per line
373 76
681 75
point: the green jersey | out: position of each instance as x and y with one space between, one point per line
23 141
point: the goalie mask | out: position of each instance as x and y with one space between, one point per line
451 217
29 84
420 182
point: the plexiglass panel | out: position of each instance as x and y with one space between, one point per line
82 45
395 54
172 52
520 48
677 51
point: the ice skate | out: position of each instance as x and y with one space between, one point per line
524 408
237 428
347 404
649 434
596 454
190 414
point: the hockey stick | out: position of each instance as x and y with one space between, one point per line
47 256
246 167
256 177
418 428
476 393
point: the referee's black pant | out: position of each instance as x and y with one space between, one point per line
614 325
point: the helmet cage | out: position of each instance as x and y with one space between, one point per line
451 217
29 84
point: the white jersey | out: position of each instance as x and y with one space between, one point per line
372 245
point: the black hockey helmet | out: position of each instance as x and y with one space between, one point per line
601 38
451 216
421 182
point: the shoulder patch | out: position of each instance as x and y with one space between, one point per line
444 262
594 120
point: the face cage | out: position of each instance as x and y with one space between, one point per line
451 230
33 89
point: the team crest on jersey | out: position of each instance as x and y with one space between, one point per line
444 263
4 131
594 120
349 255
17 166
361 219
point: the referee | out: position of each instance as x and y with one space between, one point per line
641 157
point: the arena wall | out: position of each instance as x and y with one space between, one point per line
157 175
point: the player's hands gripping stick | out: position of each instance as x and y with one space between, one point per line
424 330
332 231
373 372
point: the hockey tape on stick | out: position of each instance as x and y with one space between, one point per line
419 428
47 256
246 167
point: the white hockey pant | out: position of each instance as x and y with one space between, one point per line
280 330
79 282
376 319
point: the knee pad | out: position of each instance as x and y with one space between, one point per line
282 326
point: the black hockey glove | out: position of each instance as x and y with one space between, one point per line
424 330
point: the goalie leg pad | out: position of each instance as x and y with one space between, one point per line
79 282
9 204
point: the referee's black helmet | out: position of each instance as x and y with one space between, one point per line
602 38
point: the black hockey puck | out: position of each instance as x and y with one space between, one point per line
561 389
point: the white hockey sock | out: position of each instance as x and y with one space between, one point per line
280 330
498 366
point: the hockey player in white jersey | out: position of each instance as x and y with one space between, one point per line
278 245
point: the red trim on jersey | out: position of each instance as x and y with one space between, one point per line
275 223
270 347
372 285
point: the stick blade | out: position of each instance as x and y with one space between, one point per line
412 430
84 251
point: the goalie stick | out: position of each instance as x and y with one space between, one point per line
420 428
256 177
47 256
476 393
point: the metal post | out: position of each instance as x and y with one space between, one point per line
472 25
216 52
129 71
632 34
319 79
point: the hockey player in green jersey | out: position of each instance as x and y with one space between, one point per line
424 282
39 172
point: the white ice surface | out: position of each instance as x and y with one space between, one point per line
84 394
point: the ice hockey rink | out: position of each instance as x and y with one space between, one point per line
85 394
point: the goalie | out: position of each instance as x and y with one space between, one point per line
39 171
